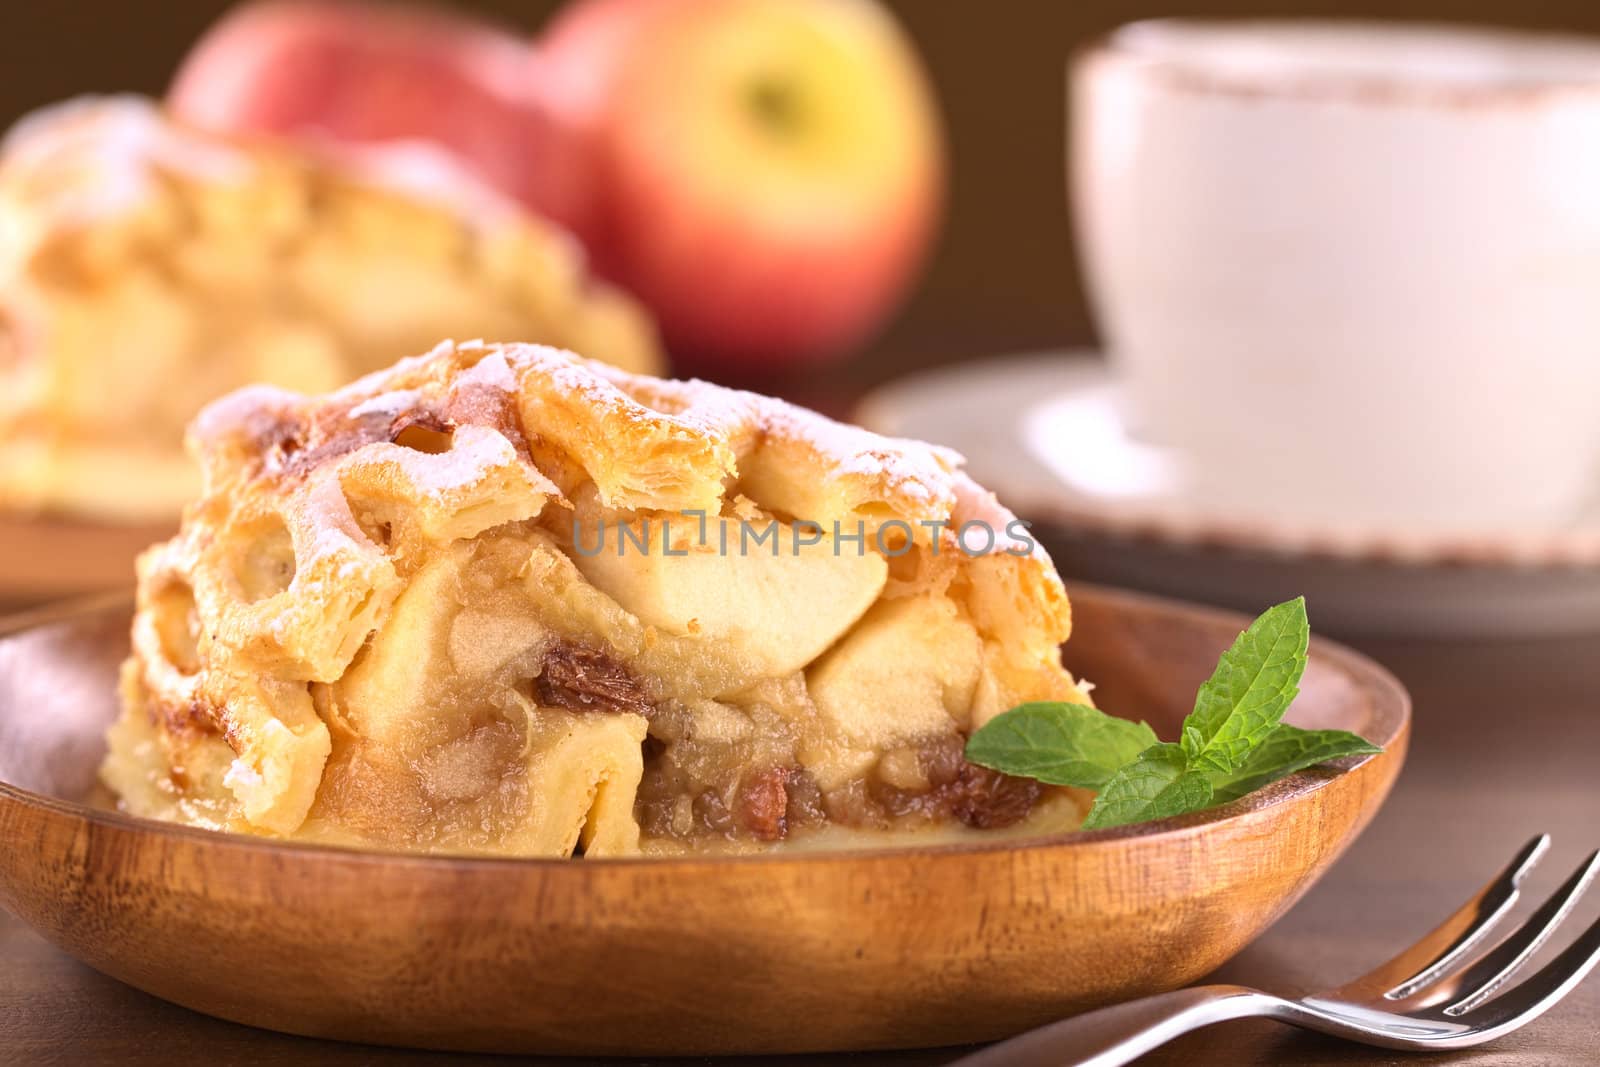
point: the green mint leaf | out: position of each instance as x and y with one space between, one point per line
1233 743
1156 785
1286 750
1060 744
1254 684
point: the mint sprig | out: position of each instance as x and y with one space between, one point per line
1158 784
1286 750
1255 682
1232 743
1060 744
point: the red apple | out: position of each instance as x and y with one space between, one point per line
367 73
765 174
769 171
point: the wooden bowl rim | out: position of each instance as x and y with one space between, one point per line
53 556
1391 705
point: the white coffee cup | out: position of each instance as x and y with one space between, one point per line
1350 272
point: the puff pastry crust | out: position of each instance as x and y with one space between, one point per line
414 614
147 268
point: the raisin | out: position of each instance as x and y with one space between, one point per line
943 759
986 799
805 800
764 804
851 805
899 803
582 678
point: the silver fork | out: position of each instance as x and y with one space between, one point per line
1447 991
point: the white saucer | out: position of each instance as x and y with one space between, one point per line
1044 431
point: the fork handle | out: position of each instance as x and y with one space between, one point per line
1115 1035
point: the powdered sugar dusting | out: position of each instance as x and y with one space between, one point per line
328 528
911 473
492 372
913 479
974 503
242 776
474 451
911 470
390 405
127 141
245 412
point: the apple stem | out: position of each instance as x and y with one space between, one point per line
777 106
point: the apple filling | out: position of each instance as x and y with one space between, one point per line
753 715
409 632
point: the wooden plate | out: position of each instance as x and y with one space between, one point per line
46 558
780 953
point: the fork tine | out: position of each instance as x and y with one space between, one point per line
1476 920
1424 962
1486 977
1531 999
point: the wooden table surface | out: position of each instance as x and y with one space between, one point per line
1506 744
1507 740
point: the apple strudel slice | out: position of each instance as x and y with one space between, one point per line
501 599
146 268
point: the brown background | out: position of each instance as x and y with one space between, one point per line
1506 731
1003 277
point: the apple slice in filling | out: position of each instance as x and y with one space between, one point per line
780 603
